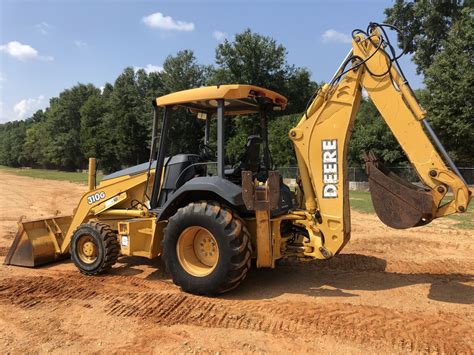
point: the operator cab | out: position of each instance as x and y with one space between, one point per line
176 173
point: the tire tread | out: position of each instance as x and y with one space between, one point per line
236 235
110 244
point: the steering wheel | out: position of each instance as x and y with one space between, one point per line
207 152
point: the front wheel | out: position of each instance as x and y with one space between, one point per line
206 248
94 248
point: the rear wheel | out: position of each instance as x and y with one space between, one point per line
206 248
94 248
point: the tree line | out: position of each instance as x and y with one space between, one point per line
114 123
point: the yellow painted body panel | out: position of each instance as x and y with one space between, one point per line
328 123
205 97
140 237
132 186
331 121
264 240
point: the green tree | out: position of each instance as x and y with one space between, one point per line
280 145
33 149
425 26
259 60
370 132
251 59
12 136
108 159
181 72
449 81
92 130
63 127
440 36
131 127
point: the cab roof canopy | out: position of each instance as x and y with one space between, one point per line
238 99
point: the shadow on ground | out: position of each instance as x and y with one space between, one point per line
343 276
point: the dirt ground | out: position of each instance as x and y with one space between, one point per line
390 291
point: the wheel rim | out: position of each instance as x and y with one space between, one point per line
198 252
87 249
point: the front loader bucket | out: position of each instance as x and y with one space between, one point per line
38 242
398 203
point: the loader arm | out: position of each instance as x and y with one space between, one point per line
47 240
321 141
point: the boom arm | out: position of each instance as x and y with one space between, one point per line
321 143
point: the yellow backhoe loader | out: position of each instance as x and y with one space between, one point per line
207 221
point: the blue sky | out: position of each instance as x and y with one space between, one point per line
47 46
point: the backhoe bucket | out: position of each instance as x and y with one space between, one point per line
38 242
398 203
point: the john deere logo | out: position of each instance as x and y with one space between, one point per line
330 171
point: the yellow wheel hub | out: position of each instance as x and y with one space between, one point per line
86 249
198 252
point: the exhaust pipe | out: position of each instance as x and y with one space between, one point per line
92 173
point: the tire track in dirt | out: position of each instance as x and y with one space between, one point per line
360 324
29 291
113 280
357 323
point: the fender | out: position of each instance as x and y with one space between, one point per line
203 188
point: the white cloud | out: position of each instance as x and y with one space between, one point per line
80 44
19 50
22 51
150 68
335 36
2 78
158 20
26 107
219 36
43 27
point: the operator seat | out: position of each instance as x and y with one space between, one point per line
249 160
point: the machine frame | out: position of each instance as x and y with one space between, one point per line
256 216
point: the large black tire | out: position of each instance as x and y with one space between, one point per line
233 243
106 248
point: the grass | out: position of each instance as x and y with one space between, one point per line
49 174
464 220
362 202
